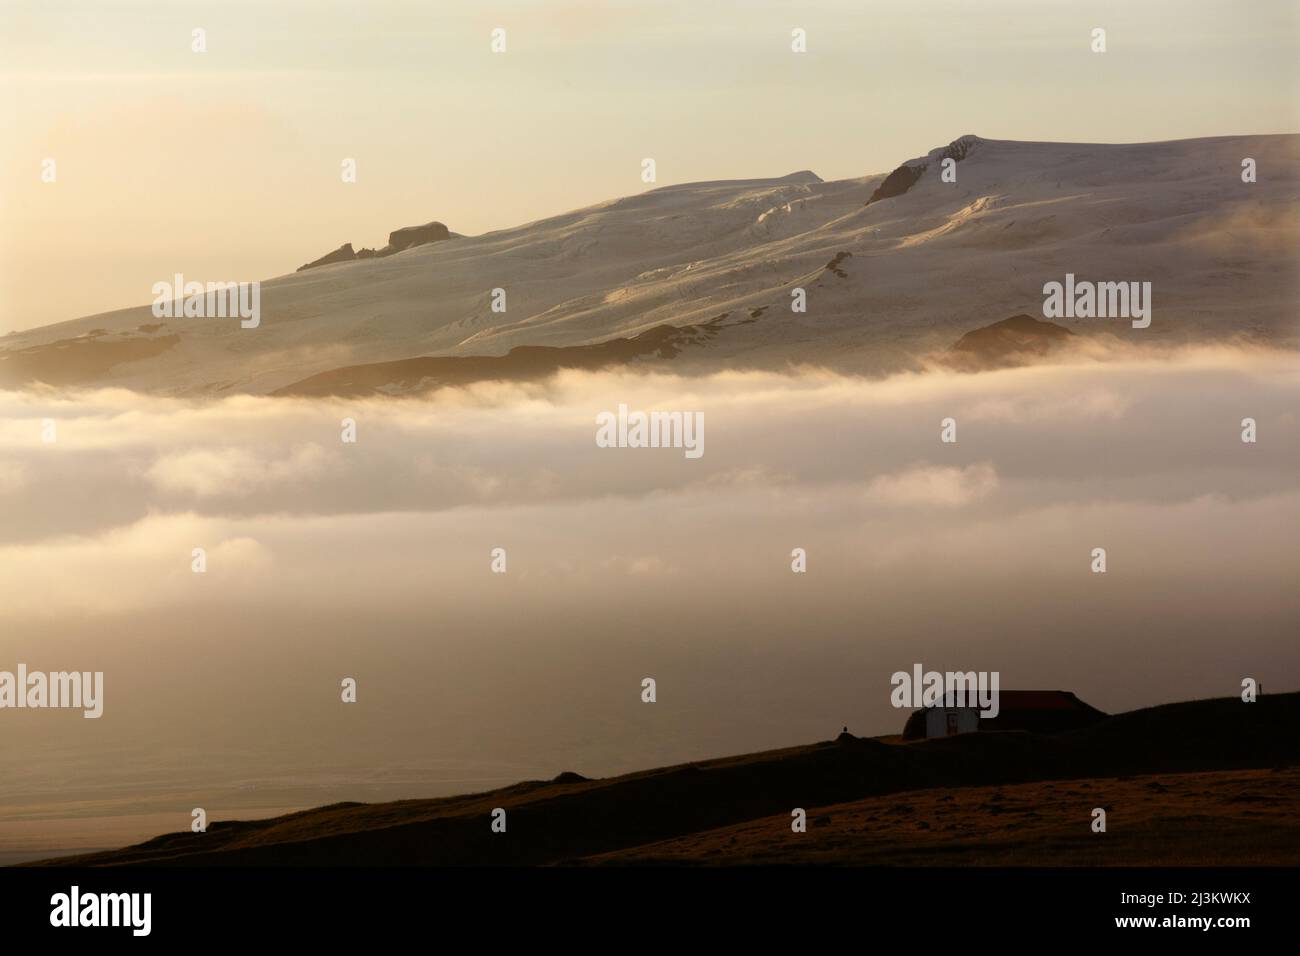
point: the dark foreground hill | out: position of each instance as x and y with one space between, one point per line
1211 781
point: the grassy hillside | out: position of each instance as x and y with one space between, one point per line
737 809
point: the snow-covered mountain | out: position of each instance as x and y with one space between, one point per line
893 265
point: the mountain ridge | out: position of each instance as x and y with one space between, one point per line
916 271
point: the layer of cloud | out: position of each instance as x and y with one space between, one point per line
215 472
373 560
945 487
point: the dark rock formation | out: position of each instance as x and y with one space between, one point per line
834 264
959 148
408 237
1014 341
898 182
343 253
904 177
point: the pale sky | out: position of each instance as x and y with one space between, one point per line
226 164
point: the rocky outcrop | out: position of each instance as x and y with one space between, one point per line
896 183
904 177
959 148
1019 340
343 253
408 237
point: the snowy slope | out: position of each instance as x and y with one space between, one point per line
912 272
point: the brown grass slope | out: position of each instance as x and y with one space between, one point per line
552 822
1217 818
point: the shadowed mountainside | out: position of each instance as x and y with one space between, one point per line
1019 340
525 363
571 819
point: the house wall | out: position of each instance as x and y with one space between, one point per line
936 720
